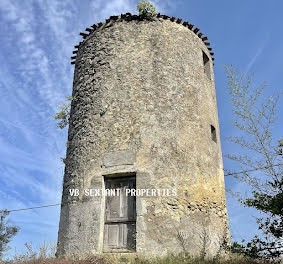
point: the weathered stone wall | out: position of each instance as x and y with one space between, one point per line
144 105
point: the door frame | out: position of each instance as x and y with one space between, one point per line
116 177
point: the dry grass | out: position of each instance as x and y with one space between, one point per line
46 255
180 259
186 259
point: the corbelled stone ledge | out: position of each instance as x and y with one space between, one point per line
130 17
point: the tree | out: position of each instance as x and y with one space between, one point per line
6 232
64 114
262 165
146 9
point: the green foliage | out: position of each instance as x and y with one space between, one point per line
6 232
262 165
146 9
64 114
246 249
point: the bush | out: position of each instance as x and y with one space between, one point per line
146 9
6 232
64 114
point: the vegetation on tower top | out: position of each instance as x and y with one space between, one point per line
146 9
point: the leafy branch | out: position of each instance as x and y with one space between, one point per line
255 115
64 114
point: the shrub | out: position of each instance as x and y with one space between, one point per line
146 9
6 232
64 114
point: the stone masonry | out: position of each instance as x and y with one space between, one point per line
145 105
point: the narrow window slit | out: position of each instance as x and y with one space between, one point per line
213 133
206 65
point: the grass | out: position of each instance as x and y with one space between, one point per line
179 259
46 255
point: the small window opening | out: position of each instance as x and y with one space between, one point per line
206 65
213 133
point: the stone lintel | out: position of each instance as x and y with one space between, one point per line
118 158
125 170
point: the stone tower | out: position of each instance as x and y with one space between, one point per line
144 117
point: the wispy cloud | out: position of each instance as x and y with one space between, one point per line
37 39
36 75
258 53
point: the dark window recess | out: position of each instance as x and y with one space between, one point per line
120 216
206 65
213 133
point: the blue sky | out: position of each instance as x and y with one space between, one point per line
37 39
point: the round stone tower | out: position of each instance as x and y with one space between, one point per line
143 118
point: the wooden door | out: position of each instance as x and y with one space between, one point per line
120 215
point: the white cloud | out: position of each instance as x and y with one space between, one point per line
37 43
258 53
